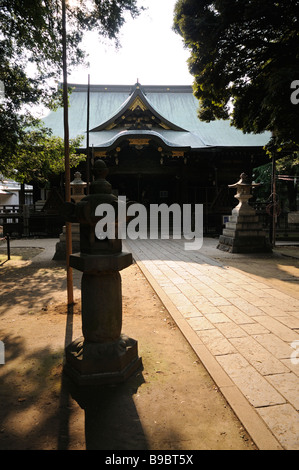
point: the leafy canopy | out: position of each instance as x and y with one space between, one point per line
40 156
31 58
244 52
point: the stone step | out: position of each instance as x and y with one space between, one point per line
244 233
243 226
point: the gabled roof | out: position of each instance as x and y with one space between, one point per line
138 105
168 113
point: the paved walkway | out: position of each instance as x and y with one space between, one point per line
243 330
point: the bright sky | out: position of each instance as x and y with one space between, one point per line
150 51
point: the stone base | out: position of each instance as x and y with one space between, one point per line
60 251
101 363
246 244
244 233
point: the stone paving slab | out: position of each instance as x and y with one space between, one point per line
245 332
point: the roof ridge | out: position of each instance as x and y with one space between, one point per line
81 87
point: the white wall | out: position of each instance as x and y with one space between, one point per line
12 196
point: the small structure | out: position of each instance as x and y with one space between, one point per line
243 233
78 187
77 194
10 192
103 354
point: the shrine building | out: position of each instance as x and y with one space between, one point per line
156 148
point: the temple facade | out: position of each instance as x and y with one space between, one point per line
156 148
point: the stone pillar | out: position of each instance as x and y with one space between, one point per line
101 319
103 354
243 233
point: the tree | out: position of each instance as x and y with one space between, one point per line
286 181
31 56
39 156
286 166
245 53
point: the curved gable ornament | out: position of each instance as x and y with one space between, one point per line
137 113
138 103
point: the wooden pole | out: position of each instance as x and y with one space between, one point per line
87 137
70 296
8 246
274 201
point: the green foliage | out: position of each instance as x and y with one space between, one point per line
263 175
31 57
245 53
39 156
288 166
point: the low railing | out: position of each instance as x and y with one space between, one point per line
30 220
17 209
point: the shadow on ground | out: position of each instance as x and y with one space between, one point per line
25 284
30 386
111 419
36 405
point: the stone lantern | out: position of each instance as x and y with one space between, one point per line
77 193
243 233
78 187
103 354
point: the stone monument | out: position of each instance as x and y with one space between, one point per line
243 233
103 354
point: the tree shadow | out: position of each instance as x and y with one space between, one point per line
29 391
275 269
36 403
274 265
36 398
30 285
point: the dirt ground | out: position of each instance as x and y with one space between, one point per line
171 404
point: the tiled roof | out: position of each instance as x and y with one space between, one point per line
175 109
